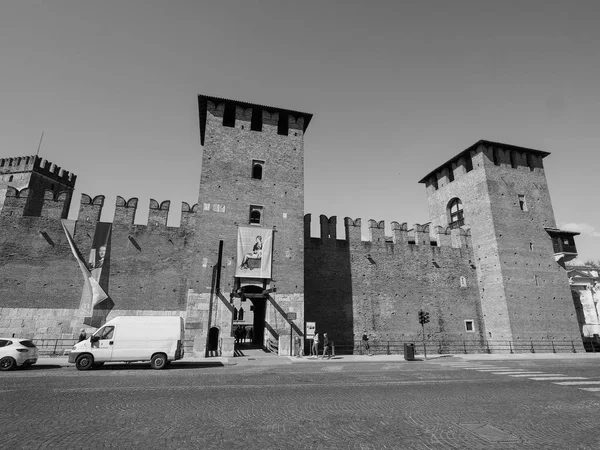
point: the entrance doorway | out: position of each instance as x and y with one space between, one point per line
249 318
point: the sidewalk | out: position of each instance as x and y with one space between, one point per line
284 360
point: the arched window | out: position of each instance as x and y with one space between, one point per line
255 215
455 211
241 314
235 313
257 171
10 178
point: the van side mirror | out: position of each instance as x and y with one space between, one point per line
94 338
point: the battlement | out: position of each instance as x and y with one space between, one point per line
419 235
484 154
53 205
37 165
90 210
252 117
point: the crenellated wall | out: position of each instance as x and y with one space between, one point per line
146 268
378 286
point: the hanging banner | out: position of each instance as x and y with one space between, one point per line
254 252
92 293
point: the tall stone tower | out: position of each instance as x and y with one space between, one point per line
500 192
37 176
252 184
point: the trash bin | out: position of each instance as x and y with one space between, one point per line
409 352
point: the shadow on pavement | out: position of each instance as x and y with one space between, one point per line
39 367
146 366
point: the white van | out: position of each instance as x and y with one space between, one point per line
158 339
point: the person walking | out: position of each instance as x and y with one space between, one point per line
326 346
366 346
314 349
82 335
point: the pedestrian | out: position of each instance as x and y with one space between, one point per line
299 352
326 346
366 346
314 349
82 335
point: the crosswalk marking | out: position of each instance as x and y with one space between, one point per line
513 373
590 389
540 374
546 378
575 383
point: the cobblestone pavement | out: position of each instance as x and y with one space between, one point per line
448 403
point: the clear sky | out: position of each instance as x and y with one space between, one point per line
396 89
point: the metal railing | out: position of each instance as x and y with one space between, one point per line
466 347
59 347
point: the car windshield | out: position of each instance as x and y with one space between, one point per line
27 344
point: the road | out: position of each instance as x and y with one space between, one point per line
446 403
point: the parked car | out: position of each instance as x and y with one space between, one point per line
17 353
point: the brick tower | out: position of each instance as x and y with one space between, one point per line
37 176
252 179
500 192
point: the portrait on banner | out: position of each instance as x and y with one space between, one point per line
254 252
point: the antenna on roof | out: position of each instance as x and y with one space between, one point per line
40 144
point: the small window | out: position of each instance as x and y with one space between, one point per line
537 281
255 215
10 178
235 313
241 314
522 203
257 169
469 328
463 282
450 174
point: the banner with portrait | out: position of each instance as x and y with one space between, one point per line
92 292
254 252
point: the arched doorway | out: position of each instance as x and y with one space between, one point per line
249 317
213 342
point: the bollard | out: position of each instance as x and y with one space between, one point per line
465 347
532 349
510 346
573 347
553 349
55 344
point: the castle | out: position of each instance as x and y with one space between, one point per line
488 266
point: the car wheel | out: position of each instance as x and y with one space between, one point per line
7 363
159 361
84 362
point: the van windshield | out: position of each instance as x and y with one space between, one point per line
105 333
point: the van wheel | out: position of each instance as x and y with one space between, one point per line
7 363
159 361
84 362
